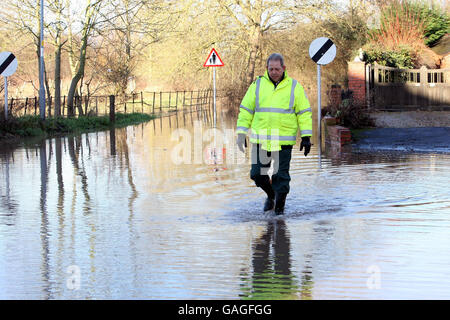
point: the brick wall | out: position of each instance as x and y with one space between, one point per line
335 95
335 135
357 81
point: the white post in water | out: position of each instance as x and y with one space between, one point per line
319 111
322 51
214 61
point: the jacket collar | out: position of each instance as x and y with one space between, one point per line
283 81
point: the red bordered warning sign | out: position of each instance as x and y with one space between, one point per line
213 60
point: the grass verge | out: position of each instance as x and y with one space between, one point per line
32 126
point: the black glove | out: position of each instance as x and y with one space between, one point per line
306 144
242 141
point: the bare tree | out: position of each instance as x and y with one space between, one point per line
56 29
90 15
254 20
131 27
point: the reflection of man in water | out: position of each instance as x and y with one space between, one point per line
272 277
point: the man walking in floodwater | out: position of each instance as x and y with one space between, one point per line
275 107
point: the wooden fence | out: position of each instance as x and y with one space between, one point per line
143 102
392 89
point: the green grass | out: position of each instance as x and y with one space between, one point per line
32 126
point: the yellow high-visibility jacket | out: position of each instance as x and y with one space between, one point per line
275 115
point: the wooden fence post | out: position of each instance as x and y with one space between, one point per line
423 75
50 106
170 98
64 104
112 109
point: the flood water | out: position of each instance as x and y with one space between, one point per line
114 215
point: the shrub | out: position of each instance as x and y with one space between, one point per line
403 57
400 38
400 26
436 21
349 113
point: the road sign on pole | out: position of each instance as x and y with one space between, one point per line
322 51
214 60
8 65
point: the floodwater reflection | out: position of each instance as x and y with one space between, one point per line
272 276
109 215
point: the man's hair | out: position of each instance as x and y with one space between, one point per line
275 57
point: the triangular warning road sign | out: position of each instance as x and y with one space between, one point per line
213 60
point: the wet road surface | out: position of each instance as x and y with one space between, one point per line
118 215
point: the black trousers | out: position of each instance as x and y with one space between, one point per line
261 161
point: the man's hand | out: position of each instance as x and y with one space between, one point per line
241 141
305 144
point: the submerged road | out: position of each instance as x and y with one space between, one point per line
435 139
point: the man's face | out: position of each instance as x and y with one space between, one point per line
275 70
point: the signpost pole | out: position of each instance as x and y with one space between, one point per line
6 98
319 110
214 95
8 65
322 51
214 61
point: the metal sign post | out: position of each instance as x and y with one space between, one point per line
214 61
8 65
322 51
214 95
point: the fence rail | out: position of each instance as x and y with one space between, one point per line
162 102
392 89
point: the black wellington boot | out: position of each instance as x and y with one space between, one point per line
280 200
269 204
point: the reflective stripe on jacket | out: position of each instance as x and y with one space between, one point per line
275 114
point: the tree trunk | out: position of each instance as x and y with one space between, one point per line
58 78
58 48
49 96
88 24
255 44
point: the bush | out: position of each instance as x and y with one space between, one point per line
400 38
349 113
436 21
403 57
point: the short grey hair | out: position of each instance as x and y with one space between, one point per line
276 57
